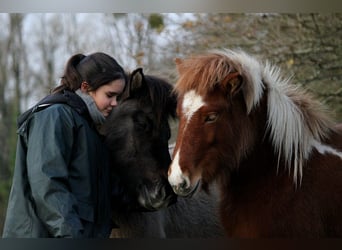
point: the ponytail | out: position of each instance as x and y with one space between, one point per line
71 80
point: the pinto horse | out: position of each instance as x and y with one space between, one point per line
274 151
137 134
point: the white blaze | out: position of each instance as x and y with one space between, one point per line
176 176
192 102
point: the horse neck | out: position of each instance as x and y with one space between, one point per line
257 163
256 179
261 161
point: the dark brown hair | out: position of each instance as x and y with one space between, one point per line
96 69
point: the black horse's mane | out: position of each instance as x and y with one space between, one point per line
161 96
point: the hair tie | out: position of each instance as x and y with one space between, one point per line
83 59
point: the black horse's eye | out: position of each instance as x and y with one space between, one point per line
211 117
142 122
143 126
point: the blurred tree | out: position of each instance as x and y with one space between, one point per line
49 37
306 46
130 36
156 22
12 56
138 37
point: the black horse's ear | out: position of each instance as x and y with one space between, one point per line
136 79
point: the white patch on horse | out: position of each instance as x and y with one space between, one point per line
325 149
176 176
191 103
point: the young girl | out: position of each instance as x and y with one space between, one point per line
61 185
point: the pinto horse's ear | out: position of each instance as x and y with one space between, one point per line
178 63
233 83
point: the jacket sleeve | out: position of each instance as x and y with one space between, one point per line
50 143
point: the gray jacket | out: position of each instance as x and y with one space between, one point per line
61 184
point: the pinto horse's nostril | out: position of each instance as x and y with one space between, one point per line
184 185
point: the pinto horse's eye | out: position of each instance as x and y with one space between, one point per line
211 117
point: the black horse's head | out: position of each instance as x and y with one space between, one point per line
137 134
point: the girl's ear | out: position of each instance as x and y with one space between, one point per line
233 83
84 87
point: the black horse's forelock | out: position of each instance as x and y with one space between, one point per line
157 93
163 99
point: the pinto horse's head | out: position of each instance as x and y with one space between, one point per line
213 125
229 104
137 135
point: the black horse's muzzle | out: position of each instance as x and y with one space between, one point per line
159 196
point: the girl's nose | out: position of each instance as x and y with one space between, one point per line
114 102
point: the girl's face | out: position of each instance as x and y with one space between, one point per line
105 97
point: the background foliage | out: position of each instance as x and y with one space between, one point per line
34 48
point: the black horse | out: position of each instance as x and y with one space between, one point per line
137 134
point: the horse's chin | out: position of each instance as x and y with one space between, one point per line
157 199
190 191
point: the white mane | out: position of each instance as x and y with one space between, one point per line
292 134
